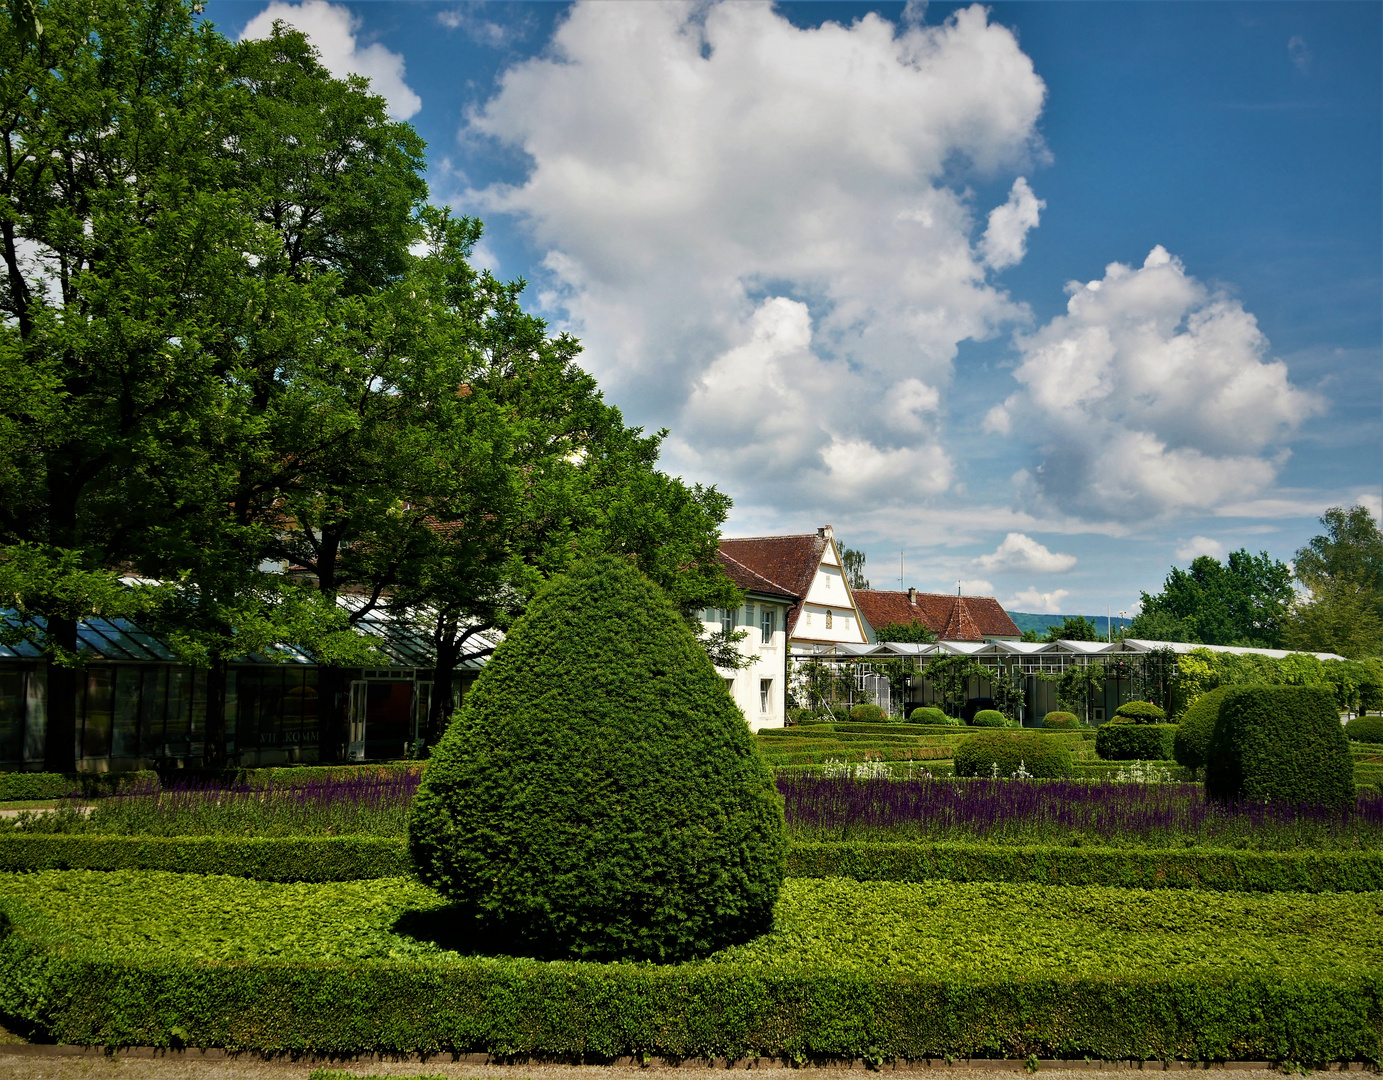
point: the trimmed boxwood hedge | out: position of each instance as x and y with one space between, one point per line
930 714
1135 742
1197 724
599 795
868 712
76 992
1218 870
989 718
1138 712
17 786
1282 743
1062 721
1365 729
1040 755
264 858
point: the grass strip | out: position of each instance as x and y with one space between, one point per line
873 970
352 858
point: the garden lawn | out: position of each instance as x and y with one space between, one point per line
938 929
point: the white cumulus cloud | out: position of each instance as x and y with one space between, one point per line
1037 603
1153 395
765 235
1005 241
1200 545
1021 552
332 29
976 587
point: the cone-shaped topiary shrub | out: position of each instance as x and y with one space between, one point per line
1138 712
1062 721
989 718
599 796
1192 739
930 714
1282 743
868 712
1040 755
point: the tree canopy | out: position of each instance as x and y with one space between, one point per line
237 340
1343 569
1243 601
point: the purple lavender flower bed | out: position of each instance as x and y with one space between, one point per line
375 804
1065 812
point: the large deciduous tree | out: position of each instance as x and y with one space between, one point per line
1243 601
1343 569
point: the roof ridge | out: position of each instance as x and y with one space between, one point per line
779 536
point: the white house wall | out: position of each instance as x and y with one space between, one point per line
828 596
768 663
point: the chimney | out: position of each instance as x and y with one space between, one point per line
912 597
826 532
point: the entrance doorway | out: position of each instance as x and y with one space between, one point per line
384 716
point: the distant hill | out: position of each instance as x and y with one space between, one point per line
1026 621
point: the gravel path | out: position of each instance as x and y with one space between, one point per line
21 1065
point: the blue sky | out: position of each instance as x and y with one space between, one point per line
1047 296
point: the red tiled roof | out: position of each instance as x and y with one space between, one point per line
934 611
959 625
750 581
789 562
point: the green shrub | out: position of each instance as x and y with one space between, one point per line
882 970
1135 741
40 785
868 712
800 716
989 718
264 858
977 755
1197 725
1365 729
1282 743
930 714
1138 712
600 795
1062 721
1215 870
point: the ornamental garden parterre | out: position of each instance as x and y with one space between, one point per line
592 866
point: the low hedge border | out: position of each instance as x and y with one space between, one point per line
350 858
591 1012
1135 742
21 786
1214 870
264 858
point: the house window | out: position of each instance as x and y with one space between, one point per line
765 695
809 618
748 614
728 618
730 687
769 624
828 619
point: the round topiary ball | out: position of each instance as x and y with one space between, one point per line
868 712
1061 721
1192 739
599 796
1040 755
989 718
930 714
1367 729
1138 712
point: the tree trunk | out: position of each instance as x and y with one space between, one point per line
60 731
218 671
439 711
